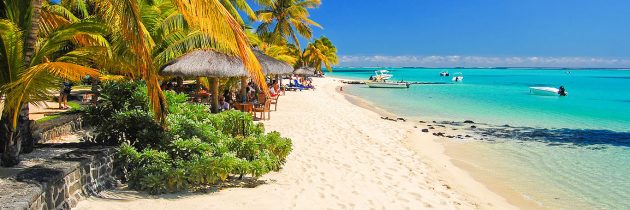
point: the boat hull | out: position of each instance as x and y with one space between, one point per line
388 84
544 91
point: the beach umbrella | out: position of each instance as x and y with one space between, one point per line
207 63
274 66
271 65
305 71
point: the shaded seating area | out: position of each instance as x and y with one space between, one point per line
213 65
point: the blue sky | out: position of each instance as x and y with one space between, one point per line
445 33
571 33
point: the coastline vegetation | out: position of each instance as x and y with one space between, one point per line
166 144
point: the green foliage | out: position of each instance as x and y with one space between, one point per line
198 148
122 116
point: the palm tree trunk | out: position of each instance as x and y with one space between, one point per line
14 138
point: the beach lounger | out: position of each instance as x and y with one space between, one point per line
297 84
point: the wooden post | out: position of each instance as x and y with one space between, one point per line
243 89
214 85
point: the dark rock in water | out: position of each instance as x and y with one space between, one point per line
434 121
425 130
402 119
473 126
467 136
469 121
506 125
415 126
454 129
422 121
431 128
390 119
450 137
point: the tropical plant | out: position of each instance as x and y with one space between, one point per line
34 58
320 51
283 20
197 158
149 35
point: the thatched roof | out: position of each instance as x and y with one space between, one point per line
307 71
271 65
207 63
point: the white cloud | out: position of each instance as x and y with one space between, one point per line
481 61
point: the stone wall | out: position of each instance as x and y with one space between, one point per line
60 183
60 126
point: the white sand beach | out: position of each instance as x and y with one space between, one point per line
345 157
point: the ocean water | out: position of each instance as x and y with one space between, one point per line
560 152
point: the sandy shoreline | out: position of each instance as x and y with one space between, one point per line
345 157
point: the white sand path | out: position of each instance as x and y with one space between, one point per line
344 157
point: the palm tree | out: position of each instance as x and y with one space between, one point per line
320 51
233 6
282 18
32 63
207 17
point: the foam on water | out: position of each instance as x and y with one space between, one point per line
561 152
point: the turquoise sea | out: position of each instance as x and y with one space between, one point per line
560 152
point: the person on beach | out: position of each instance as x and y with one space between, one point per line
64 92
228 96
276 87
223 106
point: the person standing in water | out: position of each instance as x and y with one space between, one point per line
562 91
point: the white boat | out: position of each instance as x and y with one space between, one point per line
382 75
546 91
444 74
383 84
458 77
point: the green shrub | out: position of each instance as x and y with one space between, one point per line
280 147
195 148
236 123
188 149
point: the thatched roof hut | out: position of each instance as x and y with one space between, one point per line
205 63
305 71
271 65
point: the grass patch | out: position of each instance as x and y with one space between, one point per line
73 107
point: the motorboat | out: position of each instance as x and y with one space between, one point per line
548 91
444 74
381 75
379 80
458 77
384 84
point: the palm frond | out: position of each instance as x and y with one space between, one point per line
212 18
36 82
11 57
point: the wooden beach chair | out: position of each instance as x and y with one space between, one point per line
262 109
274 102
